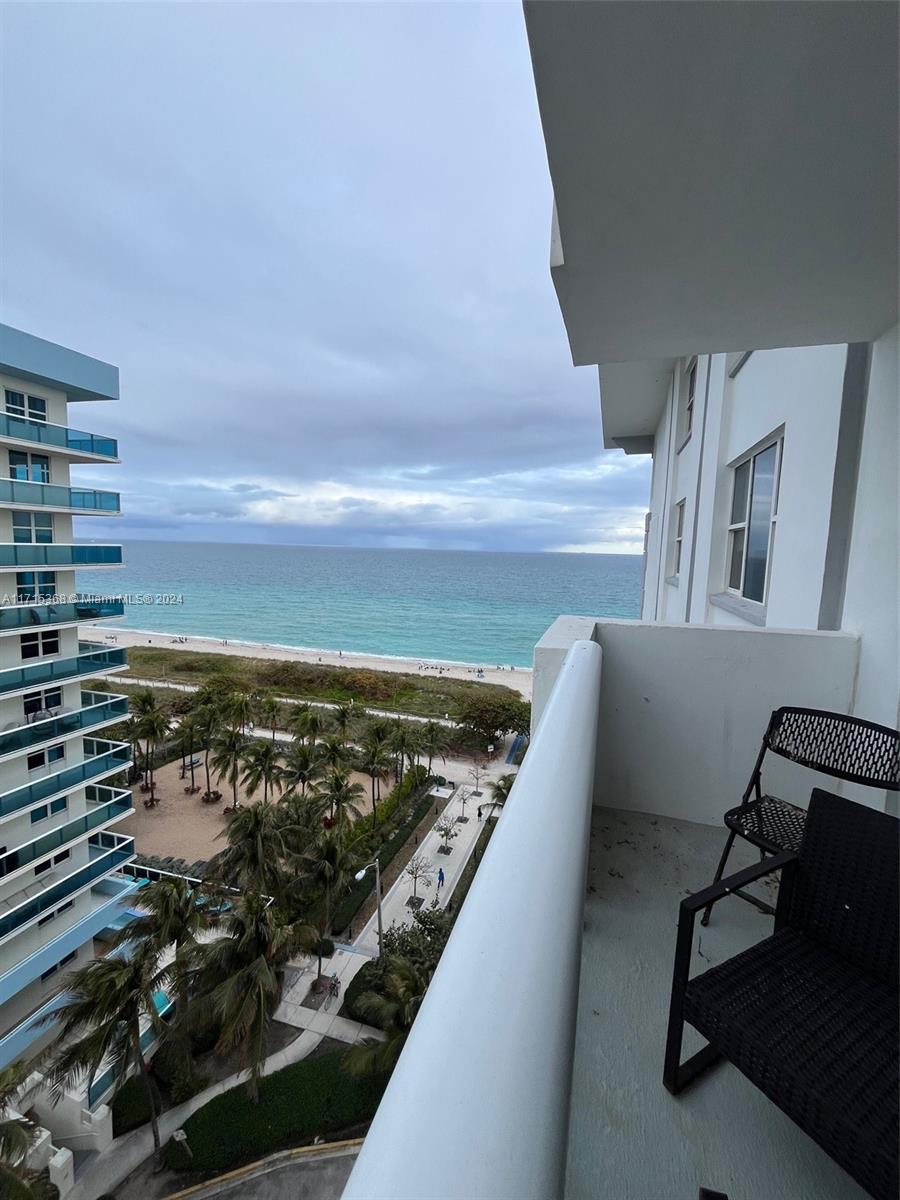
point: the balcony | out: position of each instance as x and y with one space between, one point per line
17 1042
104 906
101 758
97 709
78 446
108 852
544 1026
41 614
25 493
104 806
92 659
53 554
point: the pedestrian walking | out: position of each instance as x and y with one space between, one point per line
440 877
479 812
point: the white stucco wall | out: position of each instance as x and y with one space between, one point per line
683 708
872 597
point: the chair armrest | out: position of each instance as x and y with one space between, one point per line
732 883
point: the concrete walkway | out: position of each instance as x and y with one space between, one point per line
325 1020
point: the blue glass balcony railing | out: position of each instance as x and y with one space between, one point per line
52 554
101 757
92 659
105 804
108 852
96 709
43 433
33 616
104 1081
31 494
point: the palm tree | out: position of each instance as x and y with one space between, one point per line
187 738
394 1011
154 727
17 1182
228 758
240 976
500 789
257 848
329 863
303 766
334 753
241 710
270 712
373 760
143 703
263 766
208 723
405 745
341 796
314 724
341 715
132 734
434 742
100 1021
297 719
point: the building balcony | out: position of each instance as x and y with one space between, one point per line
97 709
91 659
104 806
102 758
105 904
108 852
75 445
44 615
25 493
554 987
18 1041
13 557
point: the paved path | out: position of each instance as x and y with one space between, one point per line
344 963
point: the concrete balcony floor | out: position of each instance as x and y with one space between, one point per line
628 1137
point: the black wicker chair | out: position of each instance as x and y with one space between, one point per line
831 743
810 1014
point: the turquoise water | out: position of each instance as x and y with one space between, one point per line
435 604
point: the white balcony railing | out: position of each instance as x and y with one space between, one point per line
478 1104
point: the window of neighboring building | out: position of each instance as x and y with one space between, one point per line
691 392
35 467
61 857
44 866
20 405
679 537
37 645
32 527
32 586
754 512
686 396
43 758
34 703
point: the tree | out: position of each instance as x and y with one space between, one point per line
241 710
392 1009
434 742
154 727
262 762
240 977
303 766
405 745
419 870
488 717
187 738
17 1182
228 758
476 774
253 860
100 1021
334 753
306 723
500 789
270 712
132 734
208 723
447 830
373 760
341 796
341 715
329 863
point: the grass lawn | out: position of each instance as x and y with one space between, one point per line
421 695
310 1097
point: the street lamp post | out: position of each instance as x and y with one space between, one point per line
359 875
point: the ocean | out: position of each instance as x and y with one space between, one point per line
467 606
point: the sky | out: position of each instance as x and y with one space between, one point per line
314 239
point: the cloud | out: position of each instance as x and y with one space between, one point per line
315 240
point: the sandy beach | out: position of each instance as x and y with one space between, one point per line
518 678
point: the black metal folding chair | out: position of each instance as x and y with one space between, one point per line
843 747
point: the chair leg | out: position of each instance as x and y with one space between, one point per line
720 871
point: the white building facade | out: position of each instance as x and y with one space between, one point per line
60 854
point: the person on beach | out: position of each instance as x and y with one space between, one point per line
440 877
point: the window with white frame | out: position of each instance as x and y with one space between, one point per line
32 527
38 645
754 513
679 538
20 405
689 399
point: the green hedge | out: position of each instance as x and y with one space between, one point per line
131 1105
350 905
365 979
309 1098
